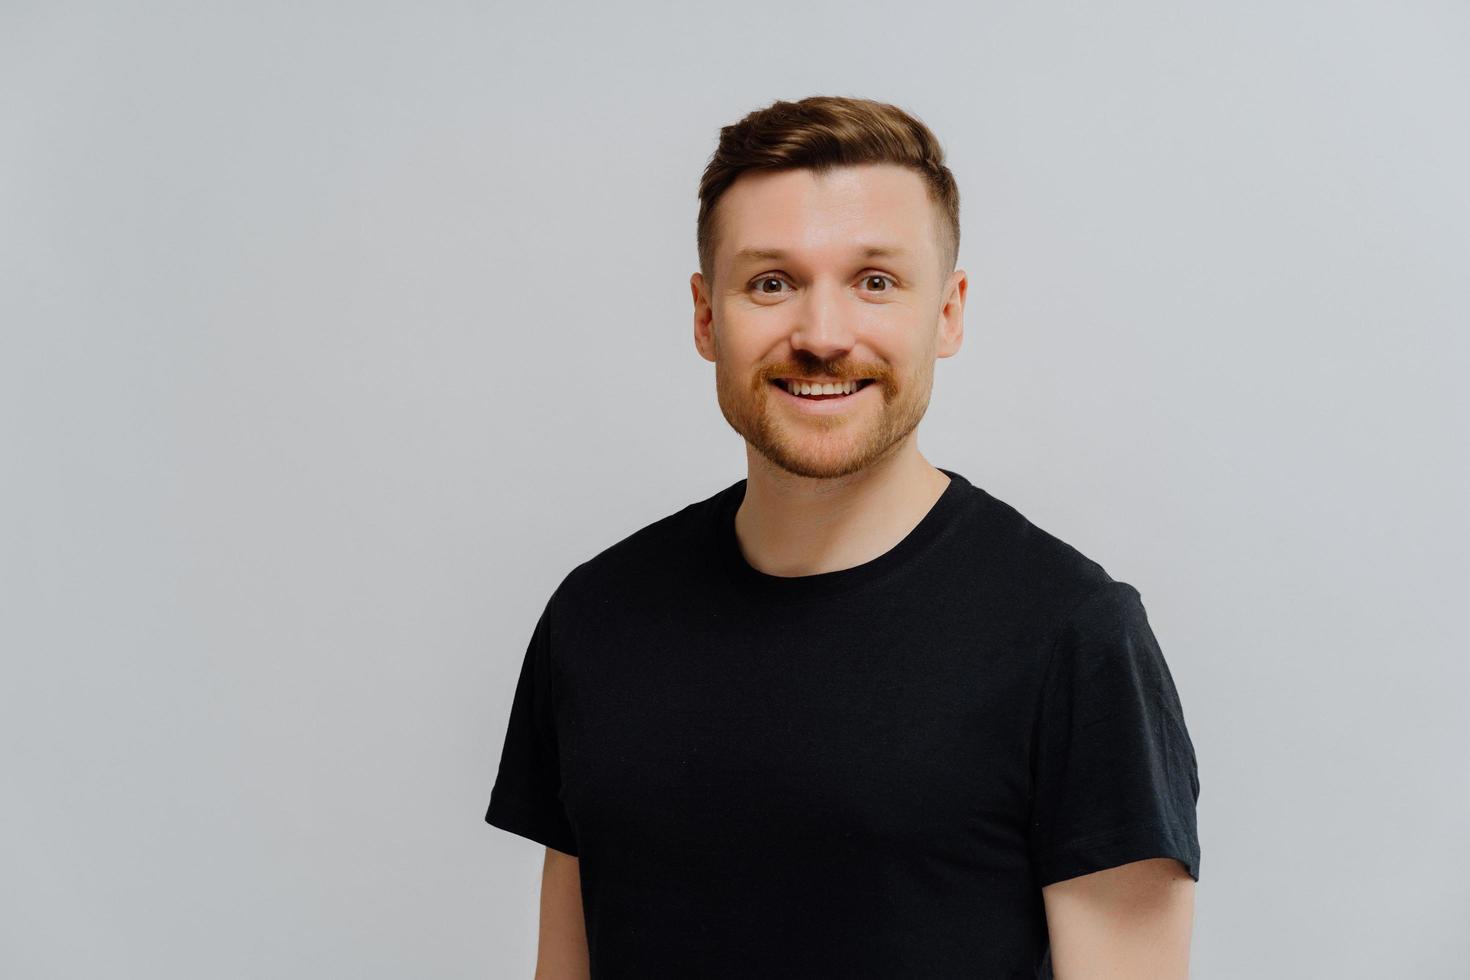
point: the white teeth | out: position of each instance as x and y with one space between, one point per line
803 388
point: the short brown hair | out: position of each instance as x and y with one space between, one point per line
818 133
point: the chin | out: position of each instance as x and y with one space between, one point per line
800 457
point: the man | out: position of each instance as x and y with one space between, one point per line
851 716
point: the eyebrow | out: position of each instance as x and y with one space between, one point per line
777 254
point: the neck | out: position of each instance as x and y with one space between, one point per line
792 525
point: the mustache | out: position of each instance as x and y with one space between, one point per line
825 375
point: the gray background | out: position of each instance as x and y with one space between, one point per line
335 334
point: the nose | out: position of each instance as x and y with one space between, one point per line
823 325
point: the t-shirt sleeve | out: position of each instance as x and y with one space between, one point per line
1114 772
525 798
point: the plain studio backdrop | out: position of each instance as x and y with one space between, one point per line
336 334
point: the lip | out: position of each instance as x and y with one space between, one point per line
827 406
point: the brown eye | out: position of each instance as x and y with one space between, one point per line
765 281
878 279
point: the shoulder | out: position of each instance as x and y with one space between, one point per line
649 557
1037 568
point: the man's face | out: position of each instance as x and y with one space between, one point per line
827 277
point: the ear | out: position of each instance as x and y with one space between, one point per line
704 315
952 314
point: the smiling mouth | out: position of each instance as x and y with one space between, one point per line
784 386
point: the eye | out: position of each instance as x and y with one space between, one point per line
871 278
768 284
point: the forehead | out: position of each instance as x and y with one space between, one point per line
826 213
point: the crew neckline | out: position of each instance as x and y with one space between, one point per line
748 578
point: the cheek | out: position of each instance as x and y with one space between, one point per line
745 336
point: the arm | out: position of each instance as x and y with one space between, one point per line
561 953
1133 921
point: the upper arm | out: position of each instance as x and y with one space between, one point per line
1130 921
561 951
526 798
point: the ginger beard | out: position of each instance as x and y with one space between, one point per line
825 446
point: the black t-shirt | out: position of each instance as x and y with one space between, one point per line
868 772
